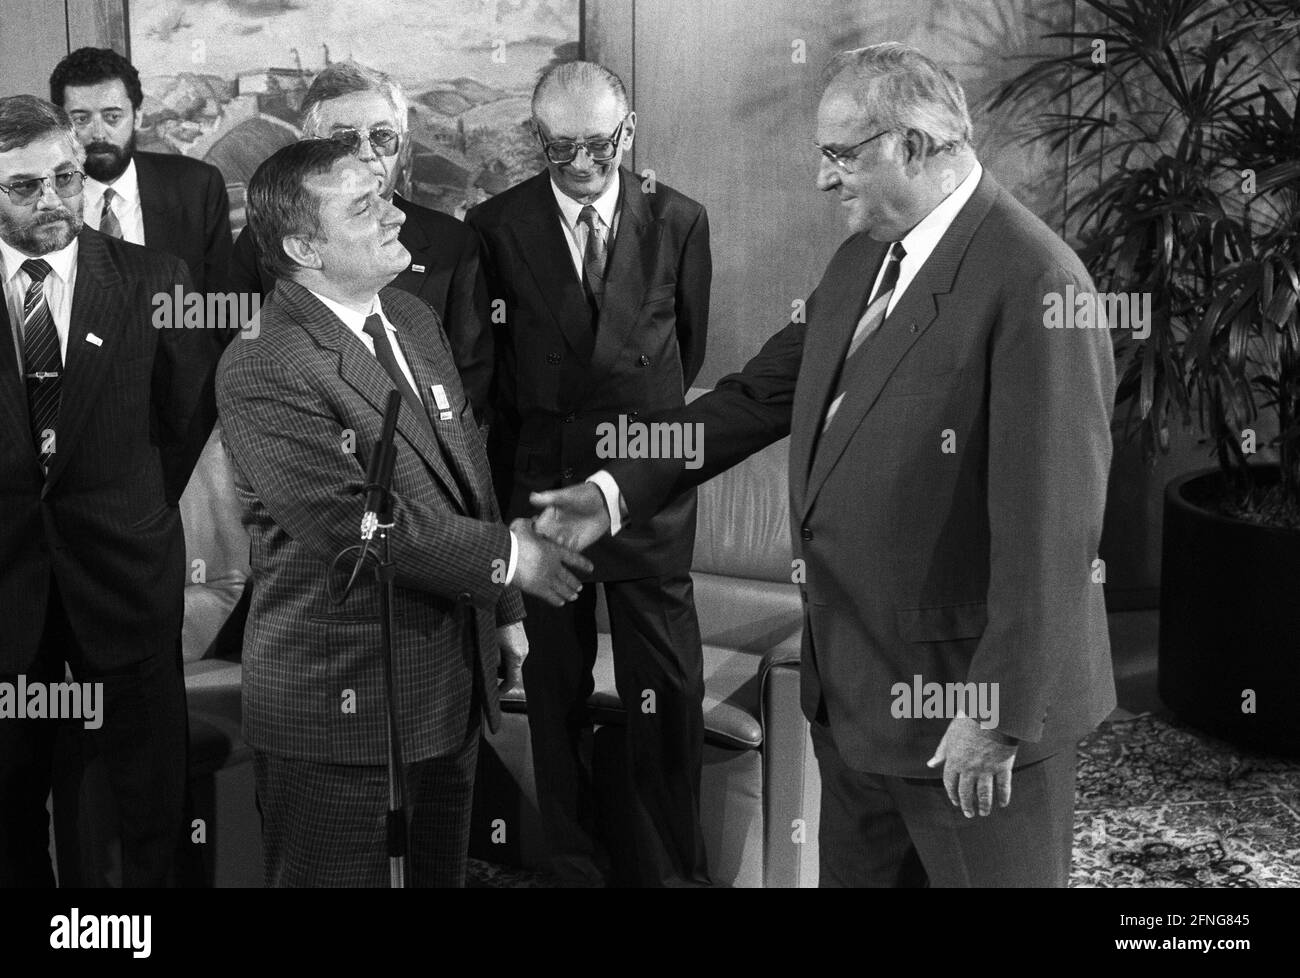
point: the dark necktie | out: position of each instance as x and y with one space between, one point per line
42 364
108 222
374 328
868 324
593 257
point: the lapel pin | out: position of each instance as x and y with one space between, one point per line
92 338
417 268
440 399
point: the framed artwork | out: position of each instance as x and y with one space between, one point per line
223 81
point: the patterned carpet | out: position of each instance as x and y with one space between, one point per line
1157 805
1161 805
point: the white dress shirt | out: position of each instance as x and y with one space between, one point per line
919 243
356 322
58 288
575 231
125 204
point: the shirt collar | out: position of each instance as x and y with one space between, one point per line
126 186
923 238
604 204
352 319
62 262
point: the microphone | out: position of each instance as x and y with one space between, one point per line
379 473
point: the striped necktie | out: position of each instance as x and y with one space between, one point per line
108 222
867 325
42 364
593 256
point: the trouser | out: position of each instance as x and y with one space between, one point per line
885 831
659 674
141 744
326 824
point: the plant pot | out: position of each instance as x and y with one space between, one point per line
1229 620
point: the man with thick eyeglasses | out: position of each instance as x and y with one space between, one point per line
102 418
367 111
162 200
604 282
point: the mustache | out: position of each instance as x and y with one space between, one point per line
102 147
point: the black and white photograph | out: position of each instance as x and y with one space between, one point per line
637 444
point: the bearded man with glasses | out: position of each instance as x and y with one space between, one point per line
603 281
367 111
102 417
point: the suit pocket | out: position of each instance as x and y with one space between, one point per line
943 624
659 293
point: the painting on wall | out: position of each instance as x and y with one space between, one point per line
223 80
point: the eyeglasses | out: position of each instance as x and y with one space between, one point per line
843 158
566 150
383 141
66 184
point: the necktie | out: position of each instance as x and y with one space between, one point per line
593 257
108 223
867 325
42 364
374 328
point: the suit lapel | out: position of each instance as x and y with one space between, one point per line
363 373
98 300
824 350
631 265
915 312
155 208
14 414
414 239
540 237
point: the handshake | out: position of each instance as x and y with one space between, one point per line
550 545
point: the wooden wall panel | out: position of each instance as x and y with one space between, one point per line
33 37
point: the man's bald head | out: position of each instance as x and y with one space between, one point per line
582 107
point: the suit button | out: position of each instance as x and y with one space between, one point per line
570 418
464 597
567 474
632 414
552 358
803 596
807 533
643 361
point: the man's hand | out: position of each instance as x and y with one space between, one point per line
512 640
541 566
574 517
975 762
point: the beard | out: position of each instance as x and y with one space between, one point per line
44 233
106 162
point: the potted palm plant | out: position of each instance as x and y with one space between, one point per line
1186 113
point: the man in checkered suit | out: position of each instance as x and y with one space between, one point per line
301 398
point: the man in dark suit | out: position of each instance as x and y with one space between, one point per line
100 415
600 281
301 404
368 111
948 462
165 201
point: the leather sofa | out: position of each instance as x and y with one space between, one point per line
760 787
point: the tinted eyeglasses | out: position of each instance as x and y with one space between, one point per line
66 184
566 150
383 141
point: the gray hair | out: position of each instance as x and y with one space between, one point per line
26 118
900 89
345 78
579 76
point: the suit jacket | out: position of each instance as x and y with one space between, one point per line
294 402
949 516
104 523
557 382
444 272
186 214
